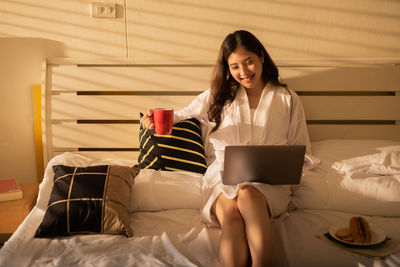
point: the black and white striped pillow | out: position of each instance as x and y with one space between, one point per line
183 150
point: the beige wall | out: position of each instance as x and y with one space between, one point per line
30 30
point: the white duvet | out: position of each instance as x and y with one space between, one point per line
168 230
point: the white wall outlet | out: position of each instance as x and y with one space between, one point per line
104 10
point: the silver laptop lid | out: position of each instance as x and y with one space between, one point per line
276 164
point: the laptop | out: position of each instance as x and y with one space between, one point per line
270 164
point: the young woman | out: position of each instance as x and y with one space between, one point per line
246 104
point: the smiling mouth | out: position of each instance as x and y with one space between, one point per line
248 79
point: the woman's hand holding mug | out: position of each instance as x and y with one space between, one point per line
148 119
162 119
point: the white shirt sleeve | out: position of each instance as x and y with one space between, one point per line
196 109
298 132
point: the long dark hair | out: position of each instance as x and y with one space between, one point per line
223 86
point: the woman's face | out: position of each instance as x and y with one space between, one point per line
246 68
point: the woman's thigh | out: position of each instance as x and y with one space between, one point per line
277 198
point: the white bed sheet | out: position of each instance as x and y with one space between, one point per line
166 238
178 238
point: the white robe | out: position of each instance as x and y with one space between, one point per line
278 120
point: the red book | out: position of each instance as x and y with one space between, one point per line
10 189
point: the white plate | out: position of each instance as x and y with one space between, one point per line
378 235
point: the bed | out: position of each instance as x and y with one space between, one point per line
90 124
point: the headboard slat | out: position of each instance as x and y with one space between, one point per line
137 93
322 132
178 79
366 78
351 107
95 135
72 106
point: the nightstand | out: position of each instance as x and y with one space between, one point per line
13 212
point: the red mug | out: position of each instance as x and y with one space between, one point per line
163 120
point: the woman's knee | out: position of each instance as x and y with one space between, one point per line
227 211
248 196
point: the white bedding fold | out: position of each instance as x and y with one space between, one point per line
376 175
386 162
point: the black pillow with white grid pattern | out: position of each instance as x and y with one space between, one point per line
89 200
68 203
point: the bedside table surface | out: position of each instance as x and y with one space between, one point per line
13 212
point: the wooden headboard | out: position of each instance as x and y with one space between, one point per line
93 106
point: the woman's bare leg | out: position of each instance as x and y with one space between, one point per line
233 247
253 207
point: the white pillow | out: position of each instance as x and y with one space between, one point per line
151 191
326 188
156 190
